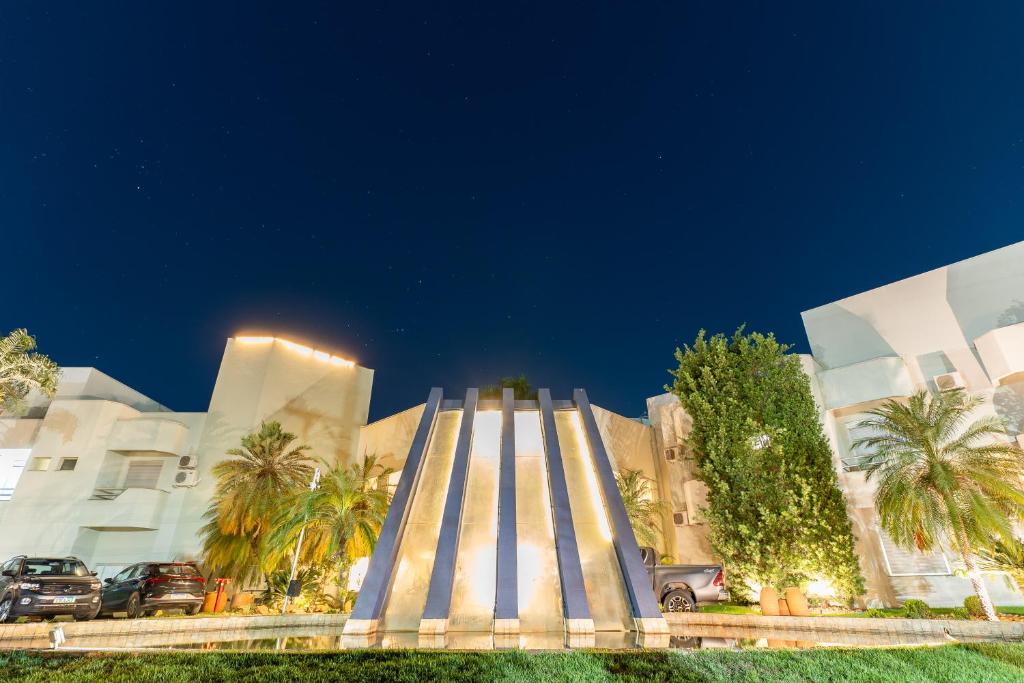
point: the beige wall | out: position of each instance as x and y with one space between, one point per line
323 404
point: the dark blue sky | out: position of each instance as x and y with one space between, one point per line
448 194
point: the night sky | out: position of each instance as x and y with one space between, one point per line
454 193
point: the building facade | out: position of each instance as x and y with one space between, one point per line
107 474
958 326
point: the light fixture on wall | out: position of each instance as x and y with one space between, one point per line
300 349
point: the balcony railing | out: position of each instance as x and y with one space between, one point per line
151 435
123 509
860 383
1002 352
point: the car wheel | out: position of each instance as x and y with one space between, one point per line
86 617
6 608
678 600
193 610
134 606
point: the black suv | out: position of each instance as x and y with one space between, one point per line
48 587
143 588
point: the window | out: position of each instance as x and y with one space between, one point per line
175 570
39 464
11 564
901 562
143 474
67 465
46 567
124 574
858 458
12 464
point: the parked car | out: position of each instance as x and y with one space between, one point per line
48 587
143 588
684 587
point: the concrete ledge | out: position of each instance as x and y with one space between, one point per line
1002 630
10 634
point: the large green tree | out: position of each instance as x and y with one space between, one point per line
22 370
944 474
775 513
263 473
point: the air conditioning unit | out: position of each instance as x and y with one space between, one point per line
681 518
187 462
670 454
186 478
949 381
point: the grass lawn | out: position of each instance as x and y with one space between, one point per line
949 663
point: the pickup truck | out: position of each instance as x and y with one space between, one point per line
682 587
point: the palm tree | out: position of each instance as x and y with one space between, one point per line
265 472
943 475
641 508
1004 556
22 370
342 517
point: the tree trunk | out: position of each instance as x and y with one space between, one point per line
967 553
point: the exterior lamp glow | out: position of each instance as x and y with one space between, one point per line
300 349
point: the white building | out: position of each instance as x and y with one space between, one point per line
961 325
109 475
957 326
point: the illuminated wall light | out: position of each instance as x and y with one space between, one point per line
306 351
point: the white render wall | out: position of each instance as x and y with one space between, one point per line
107 426
894 340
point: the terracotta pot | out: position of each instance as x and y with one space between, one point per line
241 600
769 602
797 602
221 602
783 608
208 601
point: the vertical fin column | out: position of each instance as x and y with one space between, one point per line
506 598
574 595
439 595
372 596
646 613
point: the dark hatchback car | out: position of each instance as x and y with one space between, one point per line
144 588
48 587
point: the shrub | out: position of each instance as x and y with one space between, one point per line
972 603
775 513
874 613
917 609
959 613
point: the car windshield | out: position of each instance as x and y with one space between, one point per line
44 567
176 570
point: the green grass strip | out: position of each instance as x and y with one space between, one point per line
949 664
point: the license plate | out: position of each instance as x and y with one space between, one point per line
178 596
63 600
